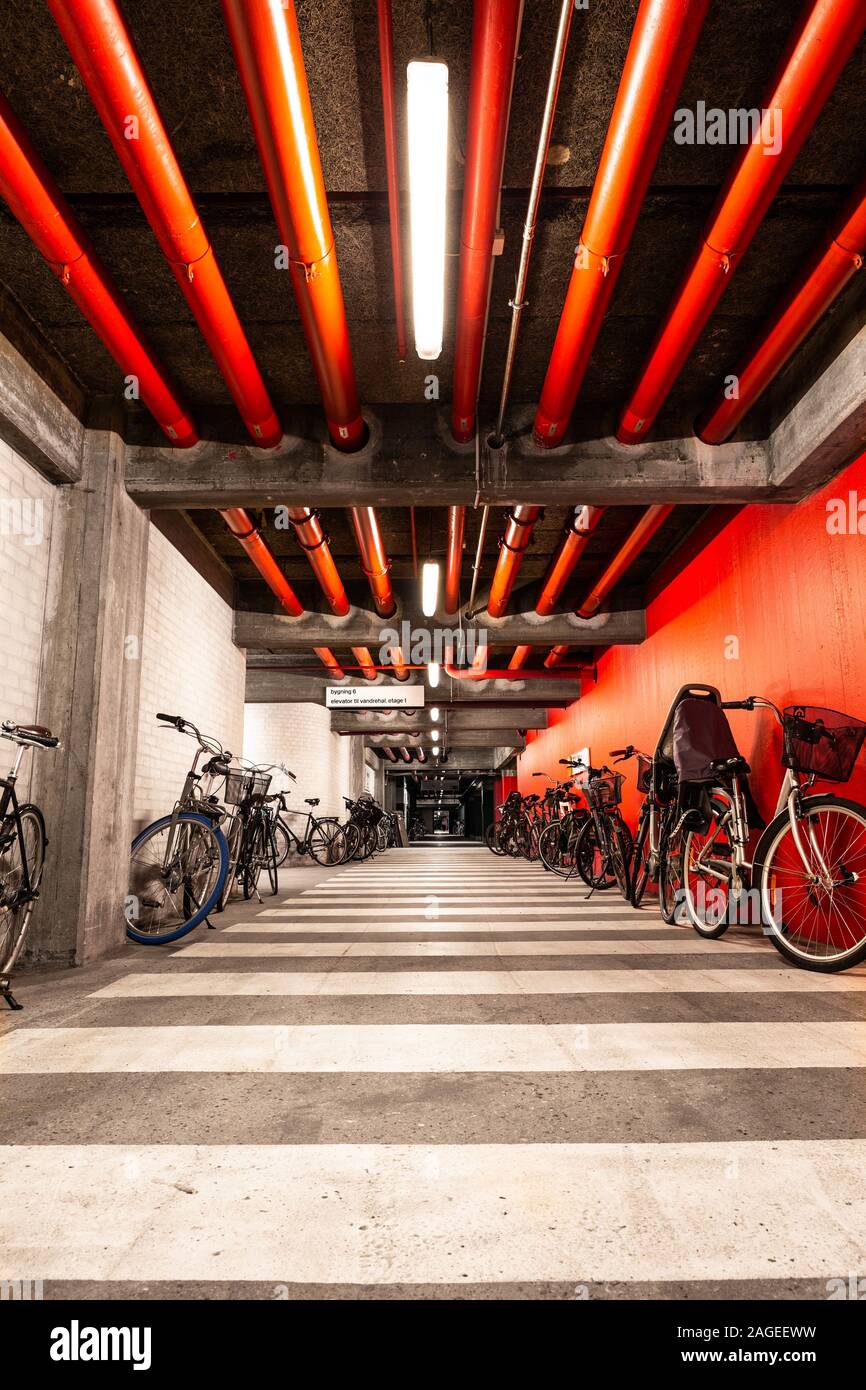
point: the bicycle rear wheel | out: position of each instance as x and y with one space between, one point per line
327 843
15 907
815 912
283 842
593 861
491 838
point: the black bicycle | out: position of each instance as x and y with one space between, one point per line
22 853
324 839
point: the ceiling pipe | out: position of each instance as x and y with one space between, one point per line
37 202
837 259
389 119
518 303
420 755
366 664
374 561
495 34
556 656
104 53
661 47
628 552
405 755
454 558
520 523
520 657
389 754
479 555
40 207
578 530
824 39
312 539
399 667
468 673
267 48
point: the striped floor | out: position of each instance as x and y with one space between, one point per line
438 1074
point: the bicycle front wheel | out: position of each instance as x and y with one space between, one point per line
813 905
177 869
328 844
16 905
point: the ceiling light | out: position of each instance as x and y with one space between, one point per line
433 673
427 111
434 714
429 588
435 735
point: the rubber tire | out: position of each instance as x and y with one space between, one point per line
28 809
186 817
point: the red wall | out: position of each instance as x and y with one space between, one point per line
793 595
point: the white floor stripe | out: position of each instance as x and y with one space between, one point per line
383 1214
299 906
431 1047
677 945
359 927
431 983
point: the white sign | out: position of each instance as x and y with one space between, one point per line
363 697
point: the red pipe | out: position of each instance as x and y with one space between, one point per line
390 754
365 662
819 48
520 657
495 33
311 537
374 561
662 43
518 533
420 755
556 656
386 65
37 203
267 48
405 755
577 534
454 558
104 53
837 259
400 669
623 559
467 673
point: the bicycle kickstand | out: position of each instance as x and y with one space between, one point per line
6 991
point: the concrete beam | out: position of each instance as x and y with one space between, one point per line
361 628
35 422
411 460
469 738
459 760
826 430
390 722
266 687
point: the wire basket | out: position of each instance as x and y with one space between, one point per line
237 787
259 783
607 790
821 742
644 773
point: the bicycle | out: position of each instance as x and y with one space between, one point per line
179 863
324 839
809 864
602 854
655 856
22 853
566 814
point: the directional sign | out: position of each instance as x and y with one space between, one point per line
365 697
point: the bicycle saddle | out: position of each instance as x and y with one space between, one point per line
728 767
312 800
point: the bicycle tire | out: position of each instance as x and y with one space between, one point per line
12 933
621 858
331 848
710 931
491 838
283 842
587 846
184 818
770 843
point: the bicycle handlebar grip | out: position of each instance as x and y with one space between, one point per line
172 719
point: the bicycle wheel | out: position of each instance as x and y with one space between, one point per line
593 861
815 912
14 910
640 877
707 874
233 840
368 841
353 839
171 893
557 844
671 880
491 838
260 857
327 843
621 857
283 841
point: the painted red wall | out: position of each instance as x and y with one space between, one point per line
775 606
502 787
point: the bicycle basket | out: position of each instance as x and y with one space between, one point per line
608 789
821 742
237 787
259 783
644 773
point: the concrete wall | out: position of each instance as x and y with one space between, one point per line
26 512
189 666
324 764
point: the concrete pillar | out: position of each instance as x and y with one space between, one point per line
89 688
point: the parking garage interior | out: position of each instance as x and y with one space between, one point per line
413 400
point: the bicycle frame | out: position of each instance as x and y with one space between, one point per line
9 807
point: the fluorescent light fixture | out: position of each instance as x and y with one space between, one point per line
437 750
433 673
427 110
434 714
429 588
435 735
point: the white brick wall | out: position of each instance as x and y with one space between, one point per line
300 736
25 529
189 666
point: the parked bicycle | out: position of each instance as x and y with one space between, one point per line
809 865
323 838
22 853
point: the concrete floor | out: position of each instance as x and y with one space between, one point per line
438 1074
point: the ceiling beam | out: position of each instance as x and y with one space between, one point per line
391 722
35 422
265 687
470 738
361 628
411 460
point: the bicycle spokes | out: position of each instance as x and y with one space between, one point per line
815 892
